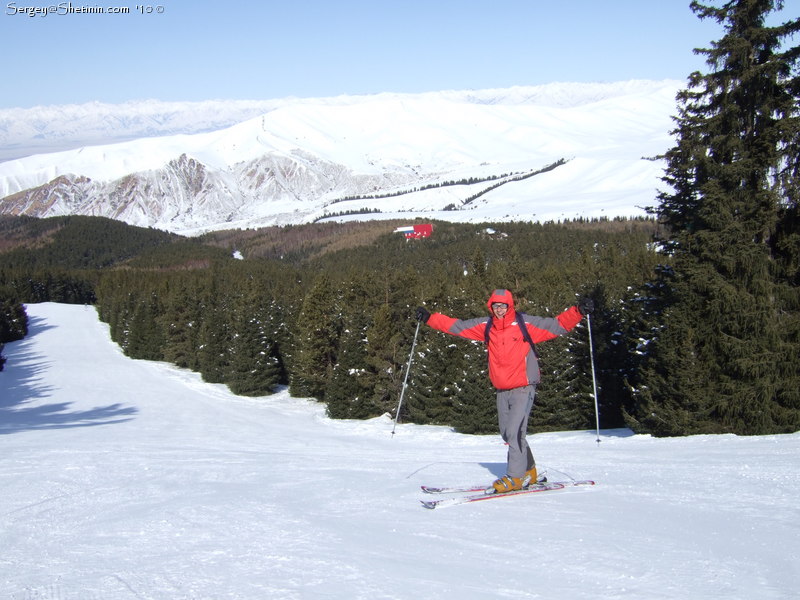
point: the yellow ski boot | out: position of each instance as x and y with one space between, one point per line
507 484
530 477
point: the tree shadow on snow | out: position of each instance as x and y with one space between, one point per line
21 391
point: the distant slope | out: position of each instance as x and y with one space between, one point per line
383 156
79 242
45 129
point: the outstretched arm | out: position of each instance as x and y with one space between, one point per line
543 329
472 329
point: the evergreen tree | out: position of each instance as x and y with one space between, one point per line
215 335
725 356
564 397
145 337
383 360
433 386
181 324
474 407
120 324
615 335
255 369
389 337
317 332
348 395
13 321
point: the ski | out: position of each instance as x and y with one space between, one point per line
539 487
481 487
453 489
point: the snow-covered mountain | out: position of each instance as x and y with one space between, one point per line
26 131
526 153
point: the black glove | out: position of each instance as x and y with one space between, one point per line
586 306
423 315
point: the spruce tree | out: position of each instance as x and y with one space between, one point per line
474 406
145 338
181 324
433 386
214 338
348 394
383 359
724 358
564 399
13 321
254 367
317 333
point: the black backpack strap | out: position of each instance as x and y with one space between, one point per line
525 333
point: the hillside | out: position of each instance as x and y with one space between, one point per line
76 242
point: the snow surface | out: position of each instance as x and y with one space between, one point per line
133 479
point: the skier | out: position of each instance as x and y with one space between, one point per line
513 369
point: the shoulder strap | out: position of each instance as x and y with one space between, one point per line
526 335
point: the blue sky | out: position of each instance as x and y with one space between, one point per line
262 49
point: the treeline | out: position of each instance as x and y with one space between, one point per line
440 184
333 319
517 177
499 179
74 242
337 324
338 327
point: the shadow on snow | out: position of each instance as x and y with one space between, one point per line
21 388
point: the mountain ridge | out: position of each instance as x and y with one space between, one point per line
298 162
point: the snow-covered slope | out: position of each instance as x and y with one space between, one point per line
305 159
26 131
128 479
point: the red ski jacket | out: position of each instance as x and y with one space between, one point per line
512 362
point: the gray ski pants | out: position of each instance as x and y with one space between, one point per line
513 409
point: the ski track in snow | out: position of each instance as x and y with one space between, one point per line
129 479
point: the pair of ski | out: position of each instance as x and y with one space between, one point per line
480 493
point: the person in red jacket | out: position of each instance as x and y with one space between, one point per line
513 369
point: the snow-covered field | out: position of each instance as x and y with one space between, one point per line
129 479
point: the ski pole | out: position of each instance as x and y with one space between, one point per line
594 379
405 379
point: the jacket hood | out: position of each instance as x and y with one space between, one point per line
503 296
